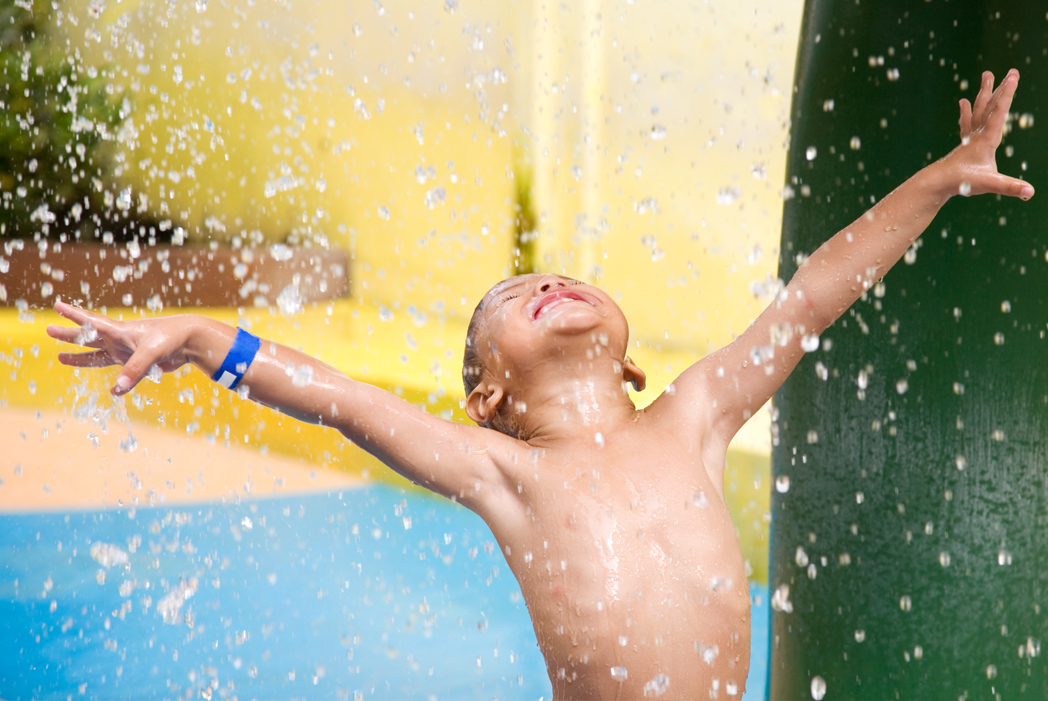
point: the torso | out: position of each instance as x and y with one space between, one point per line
631 569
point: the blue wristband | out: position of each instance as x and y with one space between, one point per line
237 361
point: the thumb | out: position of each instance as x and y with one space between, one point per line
1013 187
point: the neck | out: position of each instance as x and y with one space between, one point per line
563 402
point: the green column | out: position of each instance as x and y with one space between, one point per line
913 530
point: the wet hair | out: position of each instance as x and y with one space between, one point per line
473 367
472 364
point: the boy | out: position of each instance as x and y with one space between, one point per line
612 519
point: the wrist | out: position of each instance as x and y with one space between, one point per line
941 180
207 342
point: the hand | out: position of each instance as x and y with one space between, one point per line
981 128
136 345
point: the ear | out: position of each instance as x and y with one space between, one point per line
483 402
633 375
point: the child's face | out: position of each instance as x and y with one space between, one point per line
529 318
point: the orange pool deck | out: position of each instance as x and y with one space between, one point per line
52 461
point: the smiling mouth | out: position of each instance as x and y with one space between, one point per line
554 299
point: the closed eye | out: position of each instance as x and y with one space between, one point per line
507 298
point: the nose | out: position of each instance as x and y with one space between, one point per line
551 283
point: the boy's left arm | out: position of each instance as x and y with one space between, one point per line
730 385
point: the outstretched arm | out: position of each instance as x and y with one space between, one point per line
838 273
455 460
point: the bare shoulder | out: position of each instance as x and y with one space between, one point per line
690 408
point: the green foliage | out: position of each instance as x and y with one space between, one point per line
56 122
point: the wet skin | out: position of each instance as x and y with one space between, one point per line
612 518
623 547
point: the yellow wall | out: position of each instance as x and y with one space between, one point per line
308 118
316 119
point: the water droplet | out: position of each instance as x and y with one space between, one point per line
450 6
905 603
965 189
108 555
623 640
176 75
700 499
1004 558
944 558
599 439
910 257
246 523
383 213
290 301
281 252
902 386
991 671
780 600
707 653
728 195
893 74
859 497
100 576
818 688
855 144
821 371
810 342
619 674
658 132
998 338
863 379
810 153
1025 120
782 484
961 462
827 105
813 437
860 635
918 652
435 197
646 205
658 686
302 376
801 557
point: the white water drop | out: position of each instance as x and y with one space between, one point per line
619 674
780 600
657 686
302 376
782 484
818 688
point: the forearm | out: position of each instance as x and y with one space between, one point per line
279 377
847 265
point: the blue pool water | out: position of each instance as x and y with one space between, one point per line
372 593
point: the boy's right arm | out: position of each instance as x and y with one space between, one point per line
455 460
